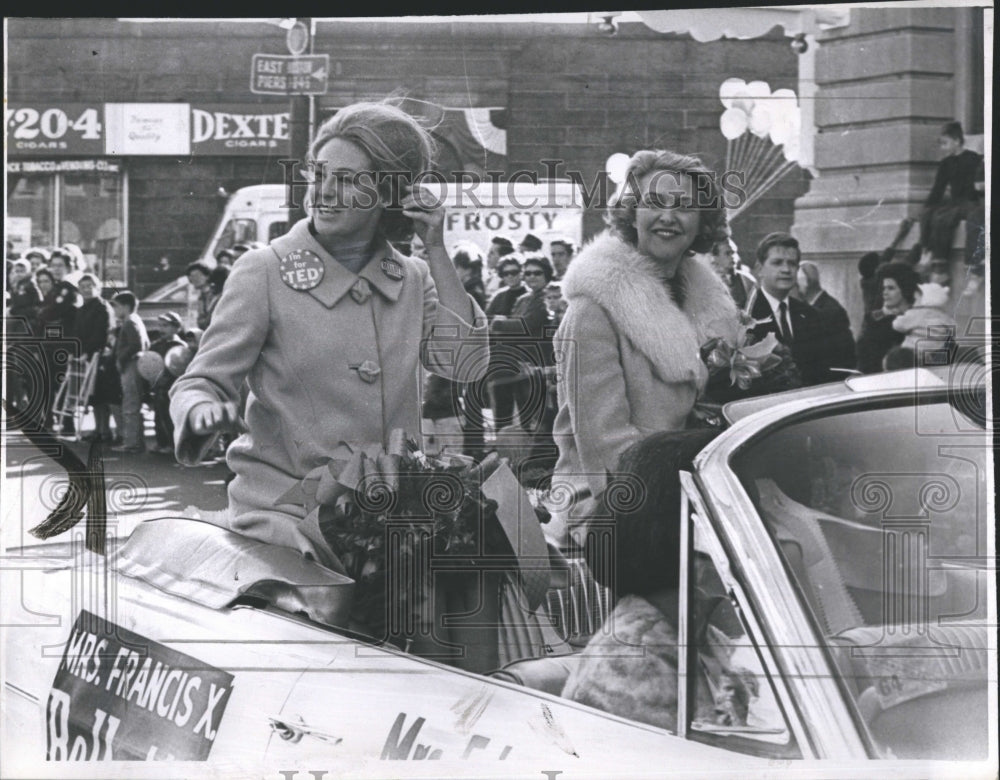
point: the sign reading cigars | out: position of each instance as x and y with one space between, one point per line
119 696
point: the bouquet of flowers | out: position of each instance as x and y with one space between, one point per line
411 530
748 367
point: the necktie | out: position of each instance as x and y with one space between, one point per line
786 333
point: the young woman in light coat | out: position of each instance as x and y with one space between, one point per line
328 325
640 307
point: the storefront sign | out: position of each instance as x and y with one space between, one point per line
234 129
148 128
63 166
121 696
66 129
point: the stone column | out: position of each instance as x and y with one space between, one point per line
885 85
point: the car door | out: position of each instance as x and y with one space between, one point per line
732 695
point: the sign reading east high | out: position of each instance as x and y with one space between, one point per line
119 696
281 74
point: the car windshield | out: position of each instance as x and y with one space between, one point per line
880 515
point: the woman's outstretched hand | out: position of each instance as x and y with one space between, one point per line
211 416
427 213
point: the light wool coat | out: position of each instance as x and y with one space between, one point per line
300 352
628 357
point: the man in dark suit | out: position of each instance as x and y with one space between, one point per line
795 323
836 323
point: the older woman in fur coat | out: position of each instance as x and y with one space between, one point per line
640 308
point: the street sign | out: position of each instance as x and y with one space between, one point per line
281 74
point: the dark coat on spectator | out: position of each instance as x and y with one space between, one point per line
132 340
94 322
876 339
837 326
809 343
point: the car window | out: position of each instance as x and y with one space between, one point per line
880 516
236 231
731 702
276 230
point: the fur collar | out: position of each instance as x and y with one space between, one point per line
629 287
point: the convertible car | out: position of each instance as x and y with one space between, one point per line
837 590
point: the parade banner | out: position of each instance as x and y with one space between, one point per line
119 696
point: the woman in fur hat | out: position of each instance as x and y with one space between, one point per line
640 307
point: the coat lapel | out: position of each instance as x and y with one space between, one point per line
337 280
630 288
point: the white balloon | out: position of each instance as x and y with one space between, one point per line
733 123
760 119
616 166
783 94
791 148
779 131
743 101
729 89
759 89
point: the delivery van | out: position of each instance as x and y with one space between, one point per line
252 214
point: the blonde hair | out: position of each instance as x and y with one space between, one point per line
394 141
620 216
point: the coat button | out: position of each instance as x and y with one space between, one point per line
361 291
368 371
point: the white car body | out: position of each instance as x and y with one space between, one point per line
307 702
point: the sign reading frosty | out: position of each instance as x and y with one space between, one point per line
119 696
549 209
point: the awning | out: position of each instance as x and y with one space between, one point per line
710 24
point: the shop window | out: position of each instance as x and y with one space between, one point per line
30 203
91 217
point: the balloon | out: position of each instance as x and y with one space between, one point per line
729 89
791 149
733 123
783 94
178 358
616 166
759 89
786 121
760 119
150 365
779 131
743 100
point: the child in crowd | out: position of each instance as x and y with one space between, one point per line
927 326
160 391
131 341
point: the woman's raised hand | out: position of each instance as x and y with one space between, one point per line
427 213
210 416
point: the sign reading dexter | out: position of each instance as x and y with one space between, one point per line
119 696
280 74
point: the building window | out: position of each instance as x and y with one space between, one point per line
71 202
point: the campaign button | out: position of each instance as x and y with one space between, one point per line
392 269
301 269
